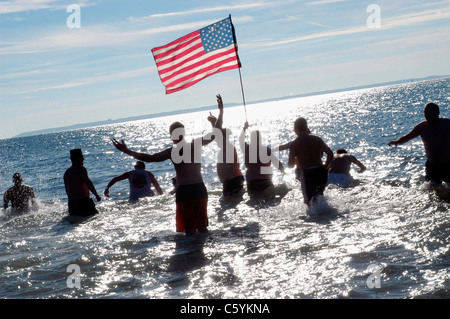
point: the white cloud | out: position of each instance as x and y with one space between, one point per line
15 6
325 2
208 10
97 36
94 80
386 23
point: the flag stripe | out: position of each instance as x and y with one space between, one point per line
202 73
195 63
184 58
175 43
197 55
172 53
187 84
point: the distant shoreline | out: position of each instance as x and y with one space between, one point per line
204 108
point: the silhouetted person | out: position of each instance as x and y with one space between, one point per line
339 170
435 134
19 195
78 185
140 181
258 160
191 196
228 167
306 153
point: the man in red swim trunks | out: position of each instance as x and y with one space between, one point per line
191 196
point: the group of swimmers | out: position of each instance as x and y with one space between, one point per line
191 197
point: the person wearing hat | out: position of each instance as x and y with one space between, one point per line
19 195
78 185
140 182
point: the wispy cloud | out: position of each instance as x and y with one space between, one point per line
324 2
209 10
386 23
97 36
15 6
93 80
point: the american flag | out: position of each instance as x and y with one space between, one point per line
197 55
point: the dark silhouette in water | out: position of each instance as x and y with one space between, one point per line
435 134
20 195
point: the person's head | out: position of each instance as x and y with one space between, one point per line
300 125
139 165
17 179
76 156
176 131
431 112
341 151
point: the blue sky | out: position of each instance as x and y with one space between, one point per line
52 75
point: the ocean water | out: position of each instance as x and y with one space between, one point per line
387 236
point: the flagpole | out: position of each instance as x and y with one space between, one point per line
243 97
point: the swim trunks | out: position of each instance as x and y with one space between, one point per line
313 181
437 173
191 191
191 202
192 214
233 186
258 185
342 180
82 207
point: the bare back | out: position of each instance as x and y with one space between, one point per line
188 165
308 149
75 182
341 164
436 140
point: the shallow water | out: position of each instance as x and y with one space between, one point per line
387 236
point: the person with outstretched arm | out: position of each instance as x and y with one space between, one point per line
191 196
140 181
435 134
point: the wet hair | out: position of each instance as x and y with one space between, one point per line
300 124
17 178
139 165
341 151
76 154
174 126
432 107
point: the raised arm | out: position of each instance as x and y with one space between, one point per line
157 157
242 138
215 123
115 180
